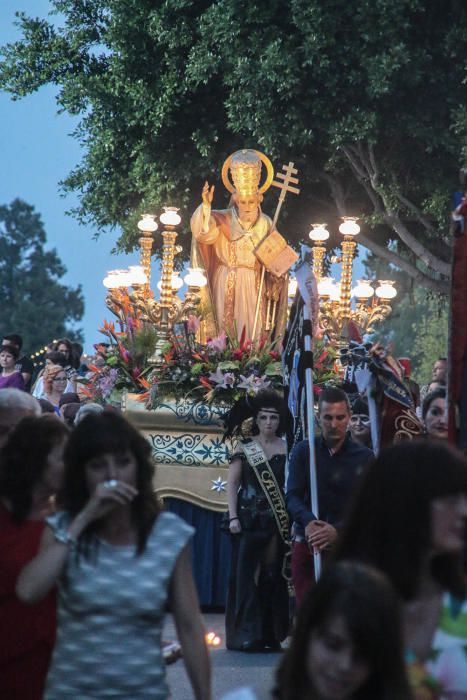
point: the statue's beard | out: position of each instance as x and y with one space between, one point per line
248 217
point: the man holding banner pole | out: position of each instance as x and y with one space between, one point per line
339 462
321 470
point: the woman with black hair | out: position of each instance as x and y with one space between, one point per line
408 520
347 643
65 348
117 560
10 377
257 599
434 414
31 470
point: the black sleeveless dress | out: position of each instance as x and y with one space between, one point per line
257 608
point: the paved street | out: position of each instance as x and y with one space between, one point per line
231 669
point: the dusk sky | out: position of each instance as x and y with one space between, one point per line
36 153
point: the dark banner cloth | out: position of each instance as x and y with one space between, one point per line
457 360
211 550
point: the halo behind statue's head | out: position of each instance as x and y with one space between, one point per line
245 168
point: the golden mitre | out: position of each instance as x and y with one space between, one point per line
245 168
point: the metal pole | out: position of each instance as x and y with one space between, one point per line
308 290
310 415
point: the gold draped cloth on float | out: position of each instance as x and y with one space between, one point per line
226 251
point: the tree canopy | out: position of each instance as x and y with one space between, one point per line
367 98
34 303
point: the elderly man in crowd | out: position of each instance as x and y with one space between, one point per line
15 405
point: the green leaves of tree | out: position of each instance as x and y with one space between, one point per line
34 302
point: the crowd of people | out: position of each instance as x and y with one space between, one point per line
396 519
90 561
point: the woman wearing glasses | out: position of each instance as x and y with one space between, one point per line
55 384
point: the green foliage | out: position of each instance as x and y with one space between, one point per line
418 329
34 302
366 97
431 340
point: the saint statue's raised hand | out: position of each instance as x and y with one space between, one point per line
207 194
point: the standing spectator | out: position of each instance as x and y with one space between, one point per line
87 409
15 405
439 371
31 466
438 374
67 398
65 348
118 561
51 358
434 414
408 520
55 382
339 461
24 364
77 361
338 650
359 425
10 377
47 407
69 413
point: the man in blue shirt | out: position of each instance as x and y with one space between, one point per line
339 461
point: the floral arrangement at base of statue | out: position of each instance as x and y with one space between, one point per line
121 361
225 369
222 371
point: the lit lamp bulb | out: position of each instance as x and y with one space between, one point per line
335 295
292 289
319 233
349 226
176 283
363 290
147 223
137 276
170 216
326 285
386 290
123 278
195 277
111 280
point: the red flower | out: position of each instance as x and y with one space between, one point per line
321 359
317 390
275 355
205 382
238 354
124 354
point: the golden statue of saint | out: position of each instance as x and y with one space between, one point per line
224 243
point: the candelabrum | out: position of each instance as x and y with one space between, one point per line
169 308
336 310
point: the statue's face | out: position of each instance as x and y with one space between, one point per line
248 207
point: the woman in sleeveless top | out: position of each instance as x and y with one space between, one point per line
118 560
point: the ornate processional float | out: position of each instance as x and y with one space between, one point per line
177 366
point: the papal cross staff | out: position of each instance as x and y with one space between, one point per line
285 182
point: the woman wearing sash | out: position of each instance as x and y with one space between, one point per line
257 598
